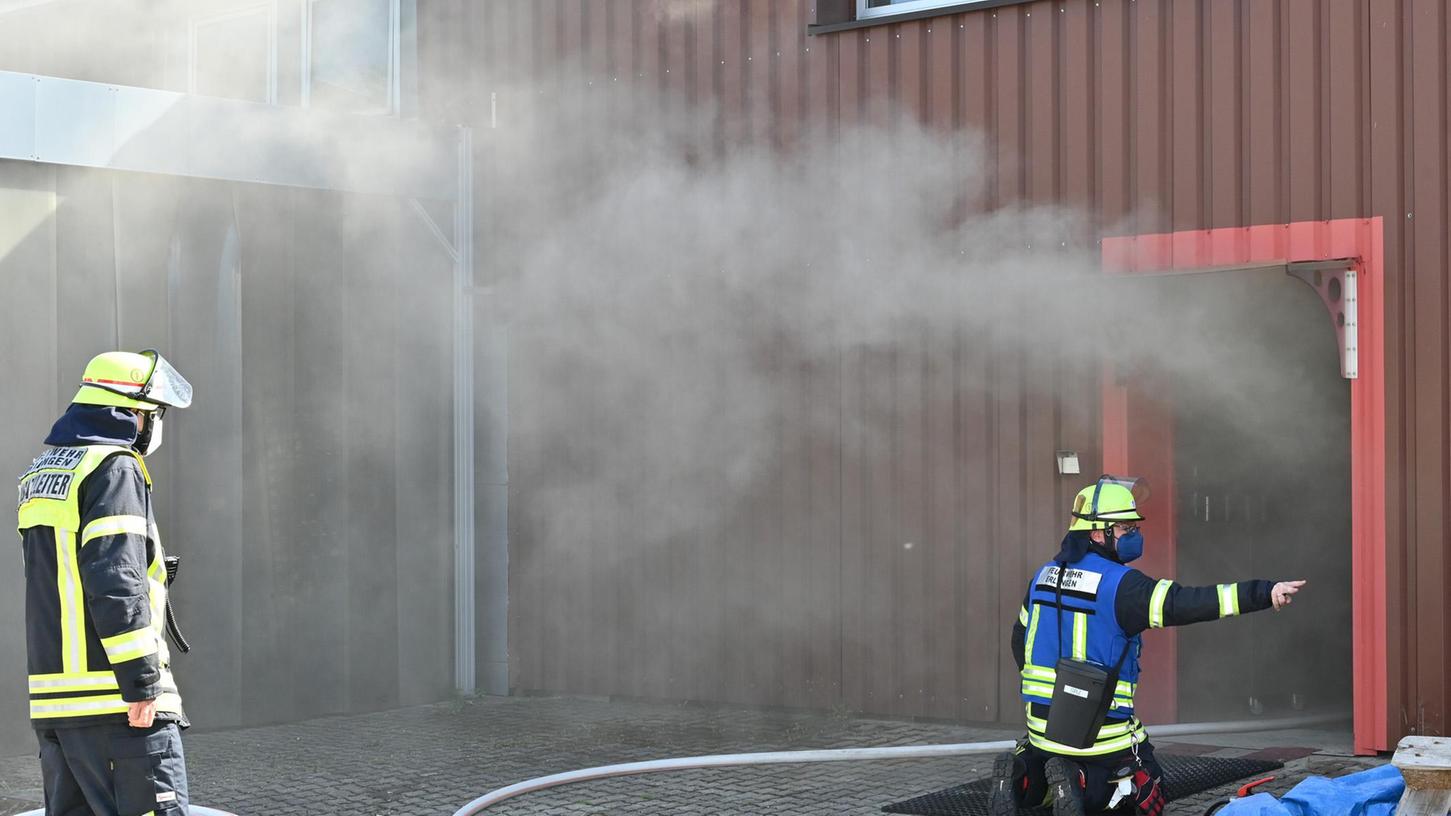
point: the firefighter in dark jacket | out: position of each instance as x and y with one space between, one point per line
1101 607
102 699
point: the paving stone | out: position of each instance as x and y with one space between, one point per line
433 759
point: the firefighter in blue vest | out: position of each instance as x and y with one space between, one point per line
1084 613
103 703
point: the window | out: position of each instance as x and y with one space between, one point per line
872 9
351 55
234 54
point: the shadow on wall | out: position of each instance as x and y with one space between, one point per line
308 488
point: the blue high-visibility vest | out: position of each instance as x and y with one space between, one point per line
1090 632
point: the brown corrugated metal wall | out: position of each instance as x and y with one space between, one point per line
1153 115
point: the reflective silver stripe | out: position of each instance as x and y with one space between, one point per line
89 681
1040 673
1080 636
1116 729
1111 738
1156 604
1228 600
102 704
130 645
1023 615
111 703
1032 635
113 525
1098 748
1035 689
72 610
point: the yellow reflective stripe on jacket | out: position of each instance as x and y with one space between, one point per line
1228 600
1113 737
1115 729
78 706
1039 681
93 705
1156 604
64 513
72 603
1112 746
1032 632
1123 694
1023 615
1043 690
157 570
1048 675
1039 673
113 525
80 681
130 645
1080 636
89 681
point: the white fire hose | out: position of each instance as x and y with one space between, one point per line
852 755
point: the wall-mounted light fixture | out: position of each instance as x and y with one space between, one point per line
1068 463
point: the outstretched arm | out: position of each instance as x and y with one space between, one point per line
1145 603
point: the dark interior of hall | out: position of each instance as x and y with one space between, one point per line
1246 364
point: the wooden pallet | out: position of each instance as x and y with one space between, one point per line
1425 762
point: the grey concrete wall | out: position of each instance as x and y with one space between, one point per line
309 488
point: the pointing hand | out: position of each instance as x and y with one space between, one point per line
1281 594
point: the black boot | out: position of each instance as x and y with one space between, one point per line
1005 778
1065 783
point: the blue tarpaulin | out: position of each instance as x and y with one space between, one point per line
1368 793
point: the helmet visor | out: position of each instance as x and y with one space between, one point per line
165 386
1136 485
1115 498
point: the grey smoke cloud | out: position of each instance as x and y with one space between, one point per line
665 290
668 294
686 283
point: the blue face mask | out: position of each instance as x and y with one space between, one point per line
1129 547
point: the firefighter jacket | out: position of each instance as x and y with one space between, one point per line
1106 606
95 581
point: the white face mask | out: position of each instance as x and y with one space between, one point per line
153 438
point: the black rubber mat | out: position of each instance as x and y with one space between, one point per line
1183 776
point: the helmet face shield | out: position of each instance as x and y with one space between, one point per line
144 382
165 386
1138 487
1111 500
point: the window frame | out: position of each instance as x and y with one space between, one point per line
833 16
195 25
865 12
399 21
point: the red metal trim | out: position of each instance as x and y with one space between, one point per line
1148 454
1363 239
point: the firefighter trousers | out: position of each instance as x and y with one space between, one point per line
1099 778
113 770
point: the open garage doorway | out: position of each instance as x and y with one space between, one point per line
1243 370
1234 394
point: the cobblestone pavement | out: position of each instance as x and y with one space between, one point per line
433 759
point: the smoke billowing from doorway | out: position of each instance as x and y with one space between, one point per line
709 335
716 342
771 399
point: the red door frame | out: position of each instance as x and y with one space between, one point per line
1363 240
